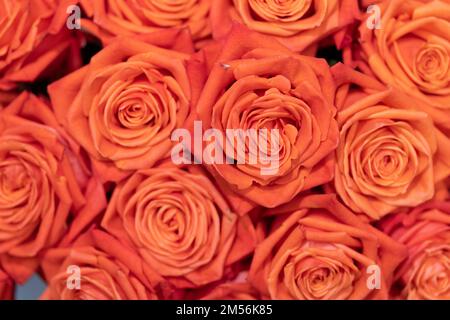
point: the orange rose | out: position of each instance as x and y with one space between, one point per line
411 51
180 225
298 24
425 231
390 155
109 18
104 269
123 106
32 39
263 86
6 286
43 181
317 249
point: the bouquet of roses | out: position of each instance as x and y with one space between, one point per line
225 149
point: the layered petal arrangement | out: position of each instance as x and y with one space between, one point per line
225 149
317 249
425 231
390 153
110 18
118 275
412 53
44 181
28 29
125 104
298 24
180 224
262 86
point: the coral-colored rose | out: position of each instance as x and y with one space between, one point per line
6 286
180 225
109 18
33 40
298 24
411 51
105 269
390 155
425 274
317 249
43 182
257 84
123 106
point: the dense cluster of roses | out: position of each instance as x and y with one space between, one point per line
359 207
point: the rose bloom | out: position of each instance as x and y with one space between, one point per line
390 155
411 51
262 85
6 286
106 270
44 182
34 42
297 24
179 223
124 105
425 230
316 249
110 18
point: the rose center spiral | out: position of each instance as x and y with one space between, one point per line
432 63
280 10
